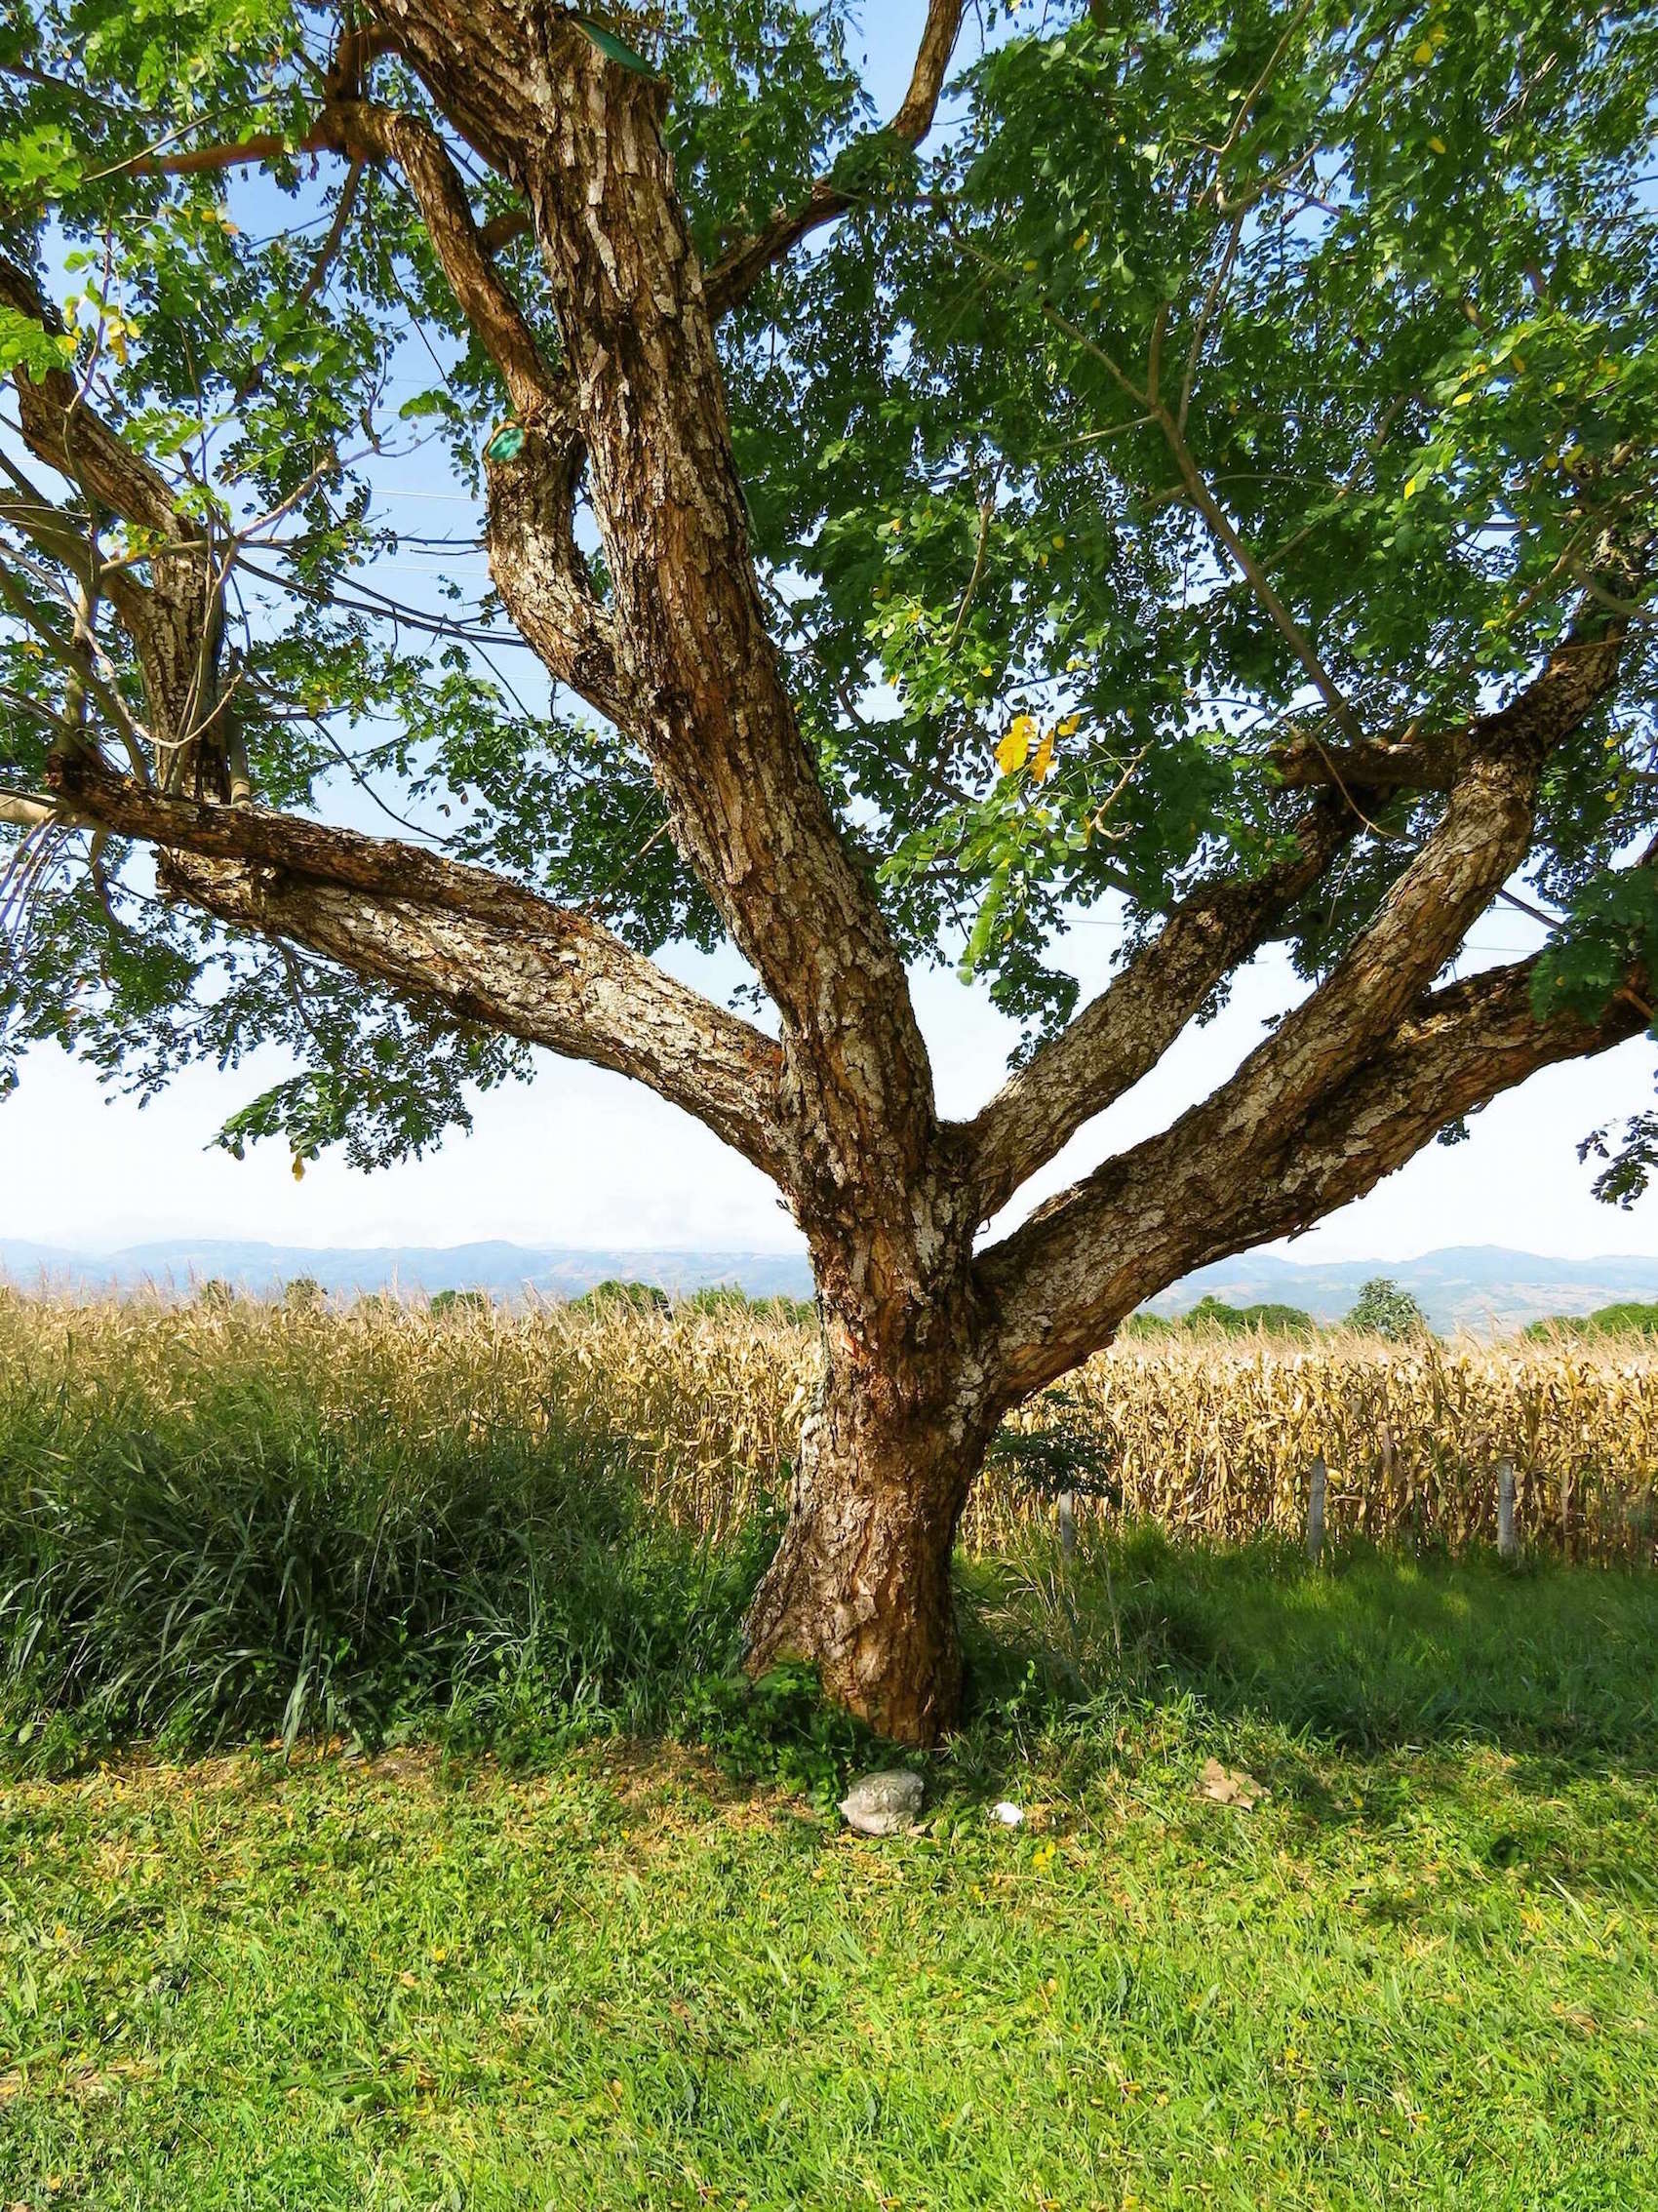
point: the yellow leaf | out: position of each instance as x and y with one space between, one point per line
1436 146
1044 757
1424 54
1058 541
1014 748
1070 726
1409 486
298 1169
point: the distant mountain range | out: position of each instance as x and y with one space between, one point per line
1473 1287
505 1271
1479 1287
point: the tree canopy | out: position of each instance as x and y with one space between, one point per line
1216 391
1199 463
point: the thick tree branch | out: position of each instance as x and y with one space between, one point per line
1580 672
231 153
70 436
1059 1276
1384 764
581 138
172 619
1066 1280
490 950
1121 1035
734 275
1480 839
389 135
541 571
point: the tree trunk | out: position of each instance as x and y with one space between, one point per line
860 1584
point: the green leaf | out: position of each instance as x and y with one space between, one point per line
26 344
613 48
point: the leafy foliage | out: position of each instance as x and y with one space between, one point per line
1271 1316
1360 298
1385 1308
1627 1317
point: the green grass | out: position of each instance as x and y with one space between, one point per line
544 1904
627 1972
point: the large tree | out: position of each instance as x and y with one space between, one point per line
1199 461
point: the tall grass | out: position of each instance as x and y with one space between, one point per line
1206 1434
229 1520
222 1521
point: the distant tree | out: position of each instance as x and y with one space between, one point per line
1146 1328
215 1291
1383 1308
458 1302
1629 1316
725 1298
1214 472
1274 1319
642 1297
303 1292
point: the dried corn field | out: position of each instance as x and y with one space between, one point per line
1208 1435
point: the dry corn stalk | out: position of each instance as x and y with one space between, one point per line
1210 1437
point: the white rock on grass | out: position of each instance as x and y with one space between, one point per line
1009 1815
882 1804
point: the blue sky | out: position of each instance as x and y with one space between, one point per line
581 1157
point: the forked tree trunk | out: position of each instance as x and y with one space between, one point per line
860 1584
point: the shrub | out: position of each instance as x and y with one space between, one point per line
641 1297
1629 1316
1271 1317
1384 1308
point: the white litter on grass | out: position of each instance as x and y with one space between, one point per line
1009 1815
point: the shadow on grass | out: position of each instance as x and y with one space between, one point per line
1370 1653
256 1574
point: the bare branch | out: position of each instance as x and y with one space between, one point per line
1121 1035
435 927
1066 1280
734 275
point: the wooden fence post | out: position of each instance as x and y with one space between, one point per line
1316 1480
1508 1543
1068 1525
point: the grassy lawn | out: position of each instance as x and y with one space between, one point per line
1423 1972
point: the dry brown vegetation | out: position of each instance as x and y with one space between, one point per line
1209 1436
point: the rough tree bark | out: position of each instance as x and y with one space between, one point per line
860 1583
928 1343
